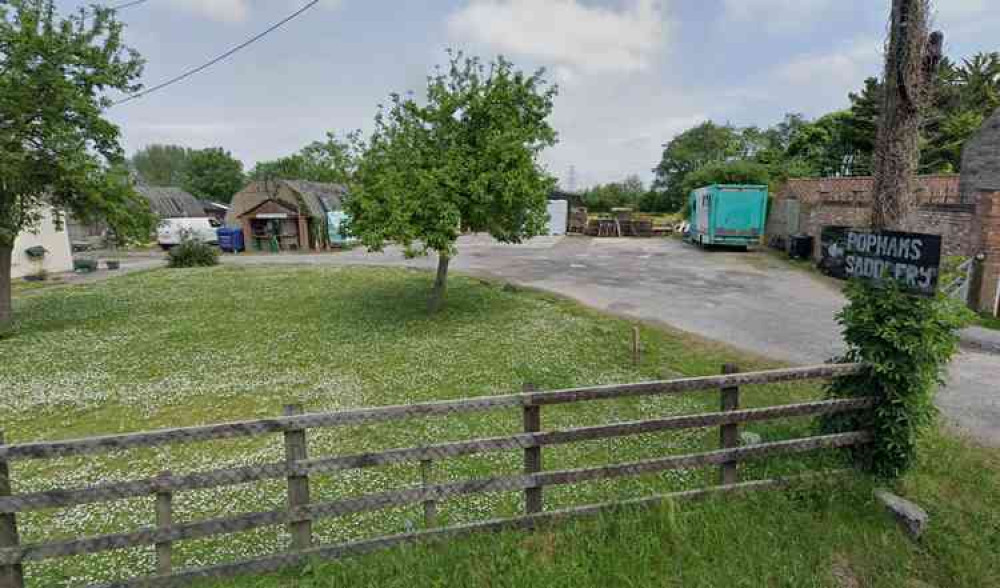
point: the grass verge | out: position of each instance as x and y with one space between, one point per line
173 348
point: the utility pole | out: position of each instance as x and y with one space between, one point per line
911 62
572 179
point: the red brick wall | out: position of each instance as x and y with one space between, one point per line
847 202
942 189
957 225
988 211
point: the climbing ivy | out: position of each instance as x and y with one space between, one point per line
906 342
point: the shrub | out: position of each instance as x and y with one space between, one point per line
907 342
194 253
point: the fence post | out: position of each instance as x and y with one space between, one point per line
730 434
532 455
11 576
636 347
298 486
164 520
430 506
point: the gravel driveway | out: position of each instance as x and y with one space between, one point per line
752 301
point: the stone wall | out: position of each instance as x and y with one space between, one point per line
981 161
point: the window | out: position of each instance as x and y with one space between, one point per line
58 220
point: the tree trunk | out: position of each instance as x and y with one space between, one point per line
909 67
6 308
440 283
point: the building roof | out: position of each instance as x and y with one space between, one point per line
170 202
319 197
314 199
931 189
214 206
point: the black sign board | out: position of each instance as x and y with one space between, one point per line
912 260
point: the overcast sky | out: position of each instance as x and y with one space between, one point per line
632 73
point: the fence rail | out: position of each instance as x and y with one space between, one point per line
297 467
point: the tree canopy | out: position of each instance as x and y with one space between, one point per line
465 158
840 143
58 149
161 165
332 161
213 174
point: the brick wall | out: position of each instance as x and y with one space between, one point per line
931 189
827 202
988 211
956 223
830 214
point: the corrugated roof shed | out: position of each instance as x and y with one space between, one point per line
313 198
319 197
170 202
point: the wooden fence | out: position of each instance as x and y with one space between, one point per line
298 466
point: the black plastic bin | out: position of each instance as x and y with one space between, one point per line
801 247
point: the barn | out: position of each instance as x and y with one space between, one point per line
285 215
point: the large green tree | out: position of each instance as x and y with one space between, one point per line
688 152
58 149
728 172
213 174
464 158
332 161
161 165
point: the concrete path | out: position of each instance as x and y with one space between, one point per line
752 301
980 339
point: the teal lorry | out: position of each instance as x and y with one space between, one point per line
732 215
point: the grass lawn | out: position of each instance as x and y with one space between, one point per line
172 348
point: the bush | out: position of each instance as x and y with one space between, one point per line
194 253
907 342
727 172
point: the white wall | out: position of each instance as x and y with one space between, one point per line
558 217
59 257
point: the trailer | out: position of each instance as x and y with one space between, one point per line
733 215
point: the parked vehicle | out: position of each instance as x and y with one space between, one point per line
728 215
172 231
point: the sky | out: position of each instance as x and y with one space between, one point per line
632 74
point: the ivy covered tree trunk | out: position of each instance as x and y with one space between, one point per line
912 58
905 341
440 283
6 312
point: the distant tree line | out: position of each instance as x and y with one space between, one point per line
214 174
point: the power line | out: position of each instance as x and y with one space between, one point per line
222 57
128 4
114 8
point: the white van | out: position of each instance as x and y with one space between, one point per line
172 231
